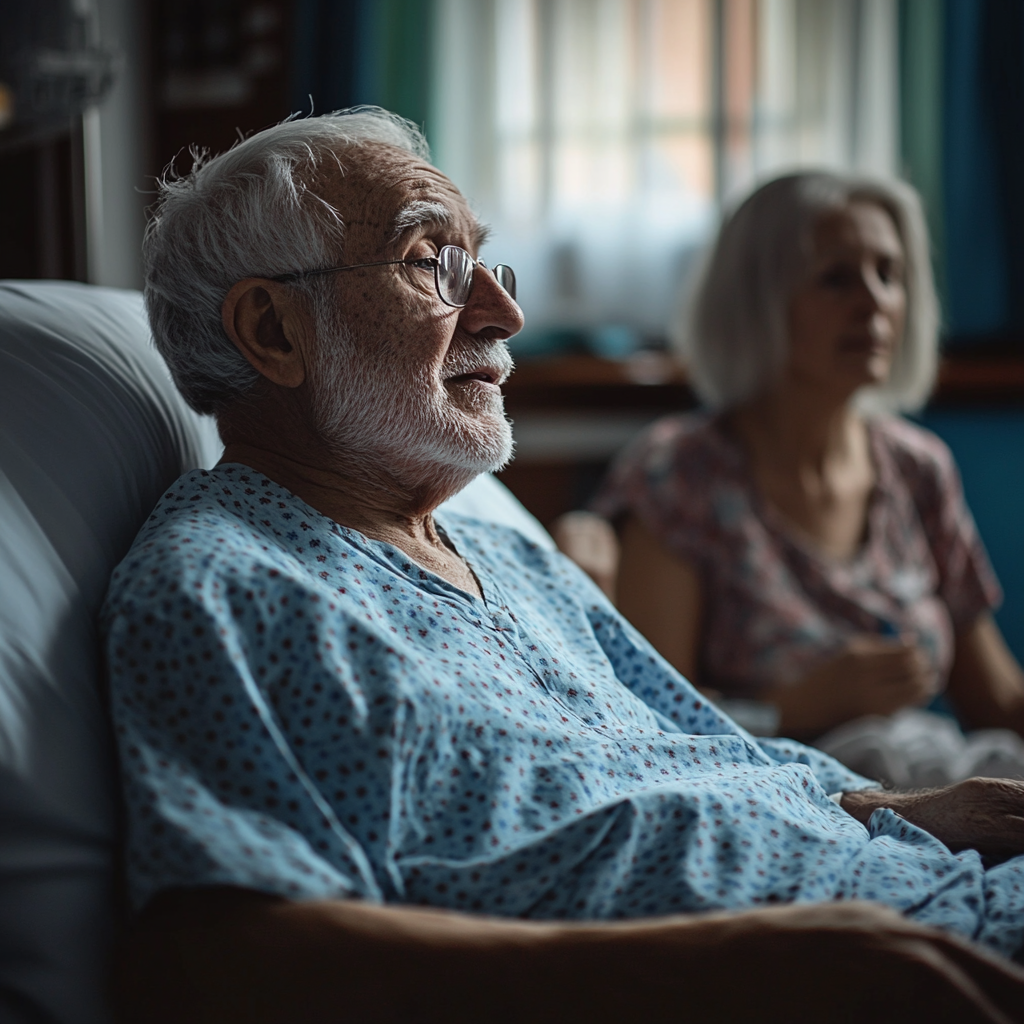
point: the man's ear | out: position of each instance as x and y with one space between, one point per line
269 328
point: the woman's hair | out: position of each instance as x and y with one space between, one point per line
252 211
735 335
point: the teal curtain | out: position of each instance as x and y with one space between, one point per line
347 52
962 143
976 249
921 30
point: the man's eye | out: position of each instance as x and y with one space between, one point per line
424 263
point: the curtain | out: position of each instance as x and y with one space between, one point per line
962 115
347 52
601 137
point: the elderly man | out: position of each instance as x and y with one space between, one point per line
335 710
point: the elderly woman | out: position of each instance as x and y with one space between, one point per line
796 545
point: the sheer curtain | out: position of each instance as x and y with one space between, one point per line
600 138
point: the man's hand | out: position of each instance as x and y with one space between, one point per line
980 814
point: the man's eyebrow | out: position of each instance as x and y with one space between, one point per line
425 211
416 214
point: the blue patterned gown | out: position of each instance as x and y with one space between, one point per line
303 711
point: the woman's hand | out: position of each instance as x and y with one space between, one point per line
872 675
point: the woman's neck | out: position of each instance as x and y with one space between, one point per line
811 461
799 433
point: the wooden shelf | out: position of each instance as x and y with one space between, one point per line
655 382
562 402
980 380
648 382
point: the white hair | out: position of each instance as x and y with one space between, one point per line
391 418
734 337
250 212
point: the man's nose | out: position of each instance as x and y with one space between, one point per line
490 311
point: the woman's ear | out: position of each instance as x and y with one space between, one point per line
269 328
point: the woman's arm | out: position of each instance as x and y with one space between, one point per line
590 542
986 684
660 593
209 955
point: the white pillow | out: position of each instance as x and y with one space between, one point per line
92 431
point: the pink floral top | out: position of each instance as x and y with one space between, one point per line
774 606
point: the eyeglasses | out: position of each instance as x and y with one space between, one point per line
453 273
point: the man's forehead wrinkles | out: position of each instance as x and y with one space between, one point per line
382 201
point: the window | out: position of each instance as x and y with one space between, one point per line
600 137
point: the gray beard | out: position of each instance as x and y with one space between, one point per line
398 428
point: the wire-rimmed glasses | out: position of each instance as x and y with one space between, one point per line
453 273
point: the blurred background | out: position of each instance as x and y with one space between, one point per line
600 139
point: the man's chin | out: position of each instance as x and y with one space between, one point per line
488 455
432 452
478 445
448 470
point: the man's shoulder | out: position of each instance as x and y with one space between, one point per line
535 579
219 522
487 532
203 507
505 548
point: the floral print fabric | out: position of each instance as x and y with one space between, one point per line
774 607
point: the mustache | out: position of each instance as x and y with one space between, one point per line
465 359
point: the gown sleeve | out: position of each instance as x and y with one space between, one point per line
683 708
217 793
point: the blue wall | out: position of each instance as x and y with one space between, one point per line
989 448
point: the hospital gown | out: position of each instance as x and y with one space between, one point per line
307 712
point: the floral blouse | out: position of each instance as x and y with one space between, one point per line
773 605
